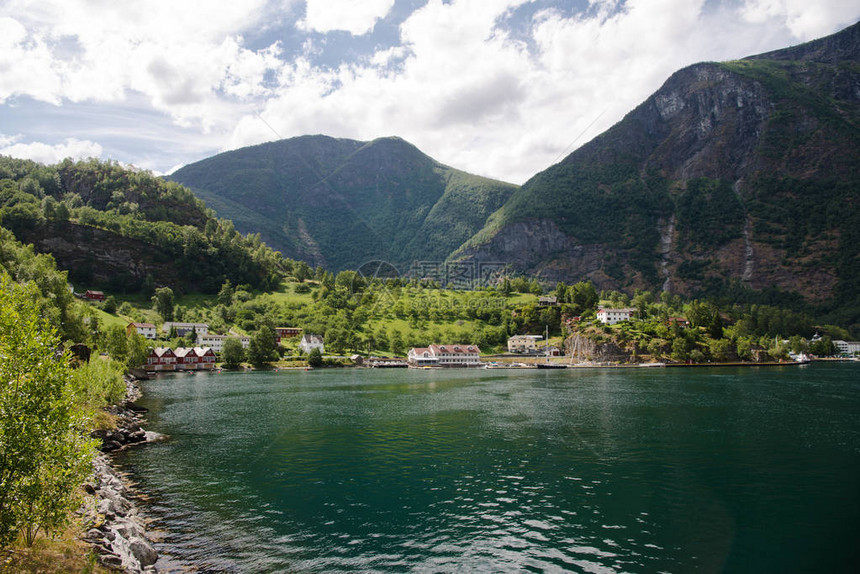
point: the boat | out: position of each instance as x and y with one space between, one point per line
547 364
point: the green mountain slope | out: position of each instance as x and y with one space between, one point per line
732 174
121 228
340 203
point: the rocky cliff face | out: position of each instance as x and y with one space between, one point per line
98 257
739 173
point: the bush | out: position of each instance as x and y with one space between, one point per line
98 383
315 358
45 456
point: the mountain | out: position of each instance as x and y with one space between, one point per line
735 174
340 203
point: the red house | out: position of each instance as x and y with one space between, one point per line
287 332
205 358
94 295
193 359
161 359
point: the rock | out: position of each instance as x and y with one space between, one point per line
111 446
120 536
94 534
144 552
111 561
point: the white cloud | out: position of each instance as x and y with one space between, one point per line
26 64
187 57
48 154
457 84
357 18
806 20
8 140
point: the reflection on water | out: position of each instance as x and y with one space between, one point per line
744 470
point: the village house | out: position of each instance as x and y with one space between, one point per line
613 316
145 329
421 357
194 358
547 301
445 356
94 295
287 333
216 342
161 359
311 342
182 329
523 343
847 347
679 321
211 340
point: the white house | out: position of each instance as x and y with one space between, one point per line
523 343
216 342
310 342
145 329
848 347
445 356
612 316
211 340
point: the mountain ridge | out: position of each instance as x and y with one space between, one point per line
697 178
339 203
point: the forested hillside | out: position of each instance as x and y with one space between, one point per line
125 230
340 203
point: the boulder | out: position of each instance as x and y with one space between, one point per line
144 552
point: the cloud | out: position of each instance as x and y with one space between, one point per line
49 154
806 20
26 64
187 57
496 87
357 18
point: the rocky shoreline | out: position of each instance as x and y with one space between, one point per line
117 530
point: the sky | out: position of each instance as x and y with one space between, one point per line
499 88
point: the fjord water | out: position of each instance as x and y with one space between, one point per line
627 470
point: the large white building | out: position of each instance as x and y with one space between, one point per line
612 316
848 347
445 356
216 342
523 343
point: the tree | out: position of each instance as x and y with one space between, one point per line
262 348
822 347
396 342
137 350
163 302
61 212
116 343
225 296
233 353
302 271
315 358
44 456
110 305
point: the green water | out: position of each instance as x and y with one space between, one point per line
646 470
